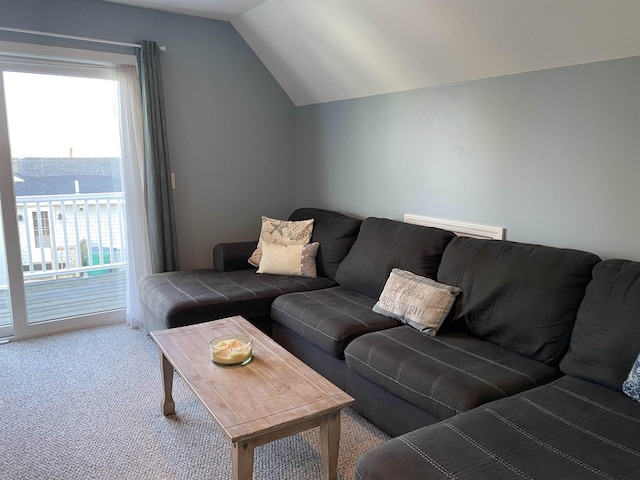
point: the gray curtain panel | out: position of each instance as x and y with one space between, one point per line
159 196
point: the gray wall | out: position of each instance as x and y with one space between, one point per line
231 127
553 156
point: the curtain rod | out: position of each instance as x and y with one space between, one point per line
73 37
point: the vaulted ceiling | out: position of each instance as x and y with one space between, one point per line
325 50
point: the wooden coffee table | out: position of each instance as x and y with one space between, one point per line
274 396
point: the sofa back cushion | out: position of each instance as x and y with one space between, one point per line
383 245
522 297
606 337
336 233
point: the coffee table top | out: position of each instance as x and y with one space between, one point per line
274 390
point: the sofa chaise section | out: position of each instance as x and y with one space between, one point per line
233 287
175 299
578 426
563 430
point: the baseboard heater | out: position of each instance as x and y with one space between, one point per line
462 229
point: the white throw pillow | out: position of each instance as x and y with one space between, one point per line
415 300
297 260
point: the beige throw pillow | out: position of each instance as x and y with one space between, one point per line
298 260
417 301
281 232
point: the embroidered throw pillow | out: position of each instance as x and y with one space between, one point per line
297 260
631 385
415 300
281 232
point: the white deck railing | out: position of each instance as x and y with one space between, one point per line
71 234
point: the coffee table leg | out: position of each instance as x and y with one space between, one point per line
242 461
168 405
330 441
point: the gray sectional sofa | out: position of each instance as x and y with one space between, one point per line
510 386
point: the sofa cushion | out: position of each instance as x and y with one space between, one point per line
335 232
384 244
329 318
184 298
567 429
519 296
446 374
606 337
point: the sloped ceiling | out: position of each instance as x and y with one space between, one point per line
326 50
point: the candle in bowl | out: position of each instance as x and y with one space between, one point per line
231 350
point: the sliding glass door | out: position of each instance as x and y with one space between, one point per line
63 260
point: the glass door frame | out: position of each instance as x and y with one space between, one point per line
13 256
20 327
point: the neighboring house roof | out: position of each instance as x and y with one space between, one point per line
57 176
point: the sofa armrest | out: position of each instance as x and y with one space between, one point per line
233 256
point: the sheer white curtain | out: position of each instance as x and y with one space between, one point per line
129 106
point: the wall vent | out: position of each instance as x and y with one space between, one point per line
462 229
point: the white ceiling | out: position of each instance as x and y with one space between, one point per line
325 50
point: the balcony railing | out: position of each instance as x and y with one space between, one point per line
80 234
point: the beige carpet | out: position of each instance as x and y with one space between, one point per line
86 405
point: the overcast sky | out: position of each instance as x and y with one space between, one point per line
49 115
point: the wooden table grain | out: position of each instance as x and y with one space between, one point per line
274 396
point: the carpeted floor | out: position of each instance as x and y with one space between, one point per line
86 405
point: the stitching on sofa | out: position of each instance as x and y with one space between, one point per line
258 280
440 402
287 301
331 293
493 362
182 291
343 297
357 473
370 352
212 289
306 324
440 468
458 369
315 300
434 384
596 404
555 450
156 302
398 370
293 278
487 452
578 427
